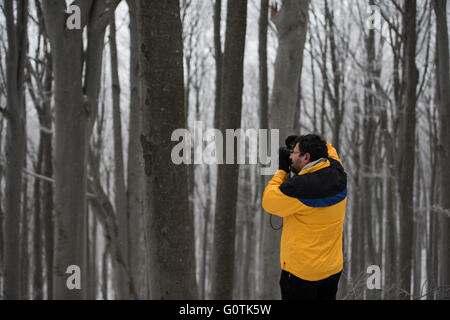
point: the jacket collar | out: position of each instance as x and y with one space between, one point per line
315 166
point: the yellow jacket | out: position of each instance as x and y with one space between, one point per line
312 205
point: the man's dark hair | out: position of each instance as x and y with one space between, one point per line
313 144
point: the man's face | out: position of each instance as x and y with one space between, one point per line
298 160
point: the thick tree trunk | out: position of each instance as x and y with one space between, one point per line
227 181
16 28
70 130
169 225
135 167
407 147
76 108
440 7
292 24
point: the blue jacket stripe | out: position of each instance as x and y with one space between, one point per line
325 202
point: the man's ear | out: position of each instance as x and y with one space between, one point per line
308 157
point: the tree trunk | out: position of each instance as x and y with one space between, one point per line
169 225
334 88
43 190
70 130
263 124
47 188
231 111
76 108
90 294
218 57
292 23
24 237
369 130
206 222
432 262
94 274
2 219
357 235
105 272
262 50
440 7
135 167
15 140
407 147
392 144
249 248
37 230
390 252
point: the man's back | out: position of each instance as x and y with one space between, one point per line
312 205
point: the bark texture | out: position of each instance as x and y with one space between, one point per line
76 100
16 28
440 8
169 223
231 112
407 142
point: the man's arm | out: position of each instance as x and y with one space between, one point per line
332 153
276 202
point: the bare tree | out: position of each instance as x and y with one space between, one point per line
218 56
390 137
16 26
262 50
169 226
440 8
76 99
263 116
407 144
369 125
135 167
230 117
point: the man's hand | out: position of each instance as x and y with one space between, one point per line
284 161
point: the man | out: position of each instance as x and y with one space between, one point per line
312 205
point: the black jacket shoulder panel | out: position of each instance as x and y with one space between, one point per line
323 183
